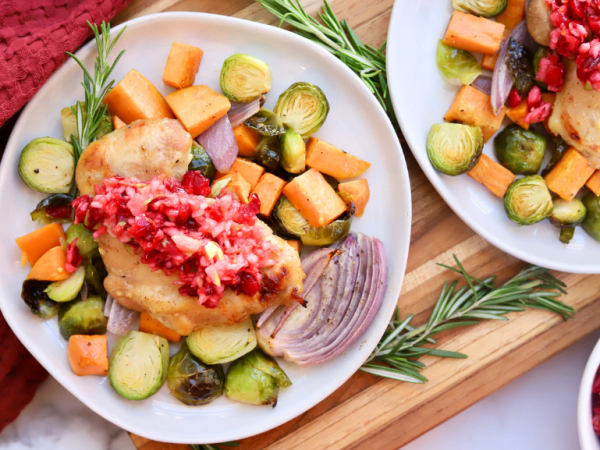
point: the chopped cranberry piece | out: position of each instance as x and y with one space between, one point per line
195 183
73 257
59 212
248 284
514 98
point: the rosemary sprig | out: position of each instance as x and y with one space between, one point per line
337 37
90 114
212 446
396 356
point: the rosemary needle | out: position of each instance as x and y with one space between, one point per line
339 39
90 115
396 356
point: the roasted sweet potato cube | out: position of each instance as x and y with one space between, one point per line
247 139
251 172
269 190
569 174
492 175
198 107
473 34
329 159
357 192
316 200
593 183
182 65
473 107
135 98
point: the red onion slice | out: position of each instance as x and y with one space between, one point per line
483 83
121 319
502 80
341 306
108 305
220 144
239 112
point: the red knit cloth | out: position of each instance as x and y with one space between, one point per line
34 35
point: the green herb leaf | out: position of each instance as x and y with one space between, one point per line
401 345
340 40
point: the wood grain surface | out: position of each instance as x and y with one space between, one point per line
368 412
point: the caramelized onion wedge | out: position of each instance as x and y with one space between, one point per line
120 319
341 304
239 112
220 144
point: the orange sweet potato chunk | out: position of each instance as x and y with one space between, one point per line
149 324
316 200
118 123
593 183
268 189
569 174
35 244
88 355
518 113
198 107
247 139
473 107
135 98
251 172
492 175
182 65
329 159
513 15
473 34
358 193
51 266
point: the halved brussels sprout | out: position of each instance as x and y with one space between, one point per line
192 382
567 214
201 161
48 165
293 152
55 208
302 107
591 223
560 147
454 148
520 151
483 8
67 290
269 152
518 61
528 200
255 378
38 301
458 66
289 219
266 123
245 78
138 365
86 244
95 273
82 317
69 122
219 344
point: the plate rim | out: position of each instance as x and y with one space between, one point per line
401 257
439 185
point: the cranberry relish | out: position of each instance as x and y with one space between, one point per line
211 243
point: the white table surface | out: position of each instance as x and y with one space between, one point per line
537 411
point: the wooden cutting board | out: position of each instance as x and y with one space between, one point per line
370 412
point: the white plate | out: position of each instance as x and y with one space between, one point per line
355 123
587 437
421 97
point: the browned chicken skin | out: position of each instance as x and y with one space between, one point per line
145 149
576 115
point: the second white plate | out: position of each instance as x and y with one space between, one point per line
421 96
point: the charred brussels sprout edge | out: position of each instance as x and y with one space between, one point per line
520 151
